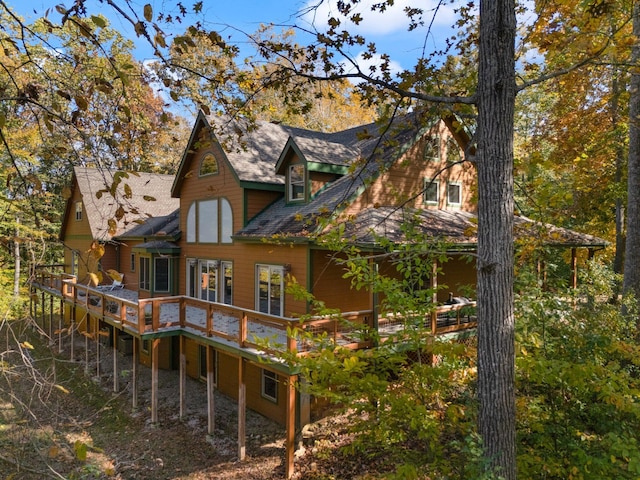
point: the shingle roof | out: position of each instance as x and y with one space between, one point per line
161 226
150 197
454 226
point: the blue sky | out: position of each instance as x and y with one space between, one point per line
388 30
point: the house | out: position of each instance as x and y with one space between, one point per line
208 266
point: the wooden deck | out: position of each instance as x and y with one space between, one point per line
236 328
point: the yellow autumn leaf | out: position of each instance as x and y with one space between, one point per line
27 345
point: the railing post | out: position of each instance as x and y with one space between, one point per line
243 330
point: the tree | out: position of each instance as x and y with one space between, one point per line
631 282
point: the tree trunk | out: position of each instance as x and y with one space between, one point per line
631 283
496 353
614 105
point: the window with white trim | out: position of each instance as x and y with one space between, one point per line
132 262
78 211
226 278
144 274
454 194
209 280
270 289
431 191
297 181
210 221
270 385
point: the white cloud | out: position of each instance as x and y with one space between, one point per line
393 20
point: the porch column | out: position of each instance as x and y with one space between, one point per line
291 426
182 375
155 343
134 372
211 417
574 267
242 407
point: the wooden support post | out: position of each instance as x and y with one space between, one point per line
183 375
50 319
211 416
86 345
72 329
42 317
134 372
60 324
291 426
155 344
116 373
98 349
242 408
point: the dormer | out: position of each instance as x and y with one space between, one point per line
308 165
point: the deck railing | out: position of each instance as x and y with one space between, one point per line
245 329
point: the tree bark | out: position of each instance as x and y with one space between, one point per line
631 282
496 353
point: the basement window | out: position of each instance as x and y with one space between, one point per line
270 385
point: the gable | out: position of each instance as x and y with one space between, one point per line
115 201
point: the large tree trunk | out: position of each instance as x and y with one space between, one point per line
496 356
631 283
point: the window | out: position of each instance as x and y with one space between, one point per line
296 182
192 277
453 151
78 211
144 274
431 150
161 274
191 223
202 354
270 385
210 221
132 264
270 288
208 280
208 165
431 191
75 256
226 291
454 194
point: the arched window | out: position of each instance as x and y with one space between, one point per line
208 165
191 223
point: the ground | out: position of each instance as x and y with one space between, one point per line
59 418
